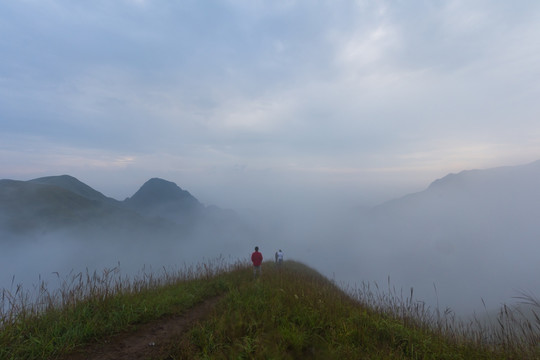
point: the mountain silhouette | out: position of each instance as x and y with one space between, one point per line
476 231
162 198
72 184
31 205
63 202
492 195
157 191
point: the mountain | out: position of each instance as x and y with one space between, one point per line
74 185
162 198
498 197
491 206
27 206
476 231
159 209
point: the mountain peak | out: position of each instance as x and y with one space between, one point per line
159 192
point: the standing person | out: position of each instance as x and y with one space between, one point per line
256 259
276 256
279 257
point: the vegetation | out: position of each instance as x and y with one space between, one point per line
90 307
290 312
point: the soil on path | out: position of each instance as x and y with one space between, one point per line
149 338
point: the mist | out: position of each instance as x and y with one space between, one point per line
466 240
29 260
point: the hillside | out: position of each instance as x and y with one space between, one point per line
287 313
35 209
508 192
63 202
161 193
72 184
491 207
33 206
165 199
473 234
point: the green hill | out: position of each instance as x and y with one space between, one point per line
288 313
72 184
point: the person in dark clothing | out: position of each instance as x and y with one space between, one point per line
256 259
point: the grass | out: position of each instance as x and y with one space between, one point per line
94 306
297 313
288 313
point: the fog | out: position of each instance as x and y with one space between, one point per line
467 239
30 260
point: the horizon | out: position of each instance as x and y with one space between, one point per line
354 202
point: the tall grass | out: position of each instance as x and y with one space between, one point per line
290 312
19 302
40 323
297 313
511 331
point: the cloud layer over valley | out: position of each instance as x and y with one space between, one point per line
467 238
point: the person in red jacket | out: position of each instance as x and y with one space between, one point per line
256 259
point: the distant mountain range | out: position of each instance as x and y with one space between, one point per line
501 199
56 202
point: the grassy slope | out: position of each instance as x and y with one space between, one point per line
293 313
95 306
297 313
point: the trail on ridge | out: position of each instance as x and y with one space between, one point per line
148 339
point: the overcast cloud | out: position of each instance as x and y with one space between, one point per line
239 101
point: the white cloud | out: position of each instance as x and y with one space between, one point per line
365 48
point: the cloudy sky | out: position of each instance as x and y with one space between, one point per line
248 102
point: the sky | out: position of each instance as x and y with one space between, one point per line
253 103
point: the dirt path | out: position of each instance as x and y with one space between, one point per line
146 341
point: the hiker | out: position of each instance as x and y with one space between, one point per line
256 259
279 257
